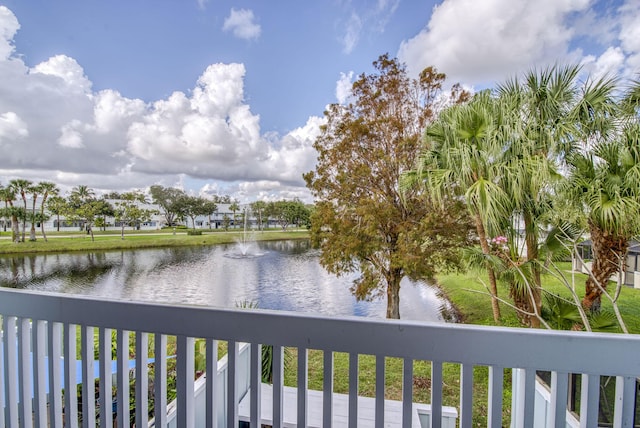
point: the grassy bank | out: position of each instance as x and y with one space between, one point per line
80 241
468 293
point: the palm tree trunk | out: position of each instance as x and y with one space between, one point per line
15 228
44 235
393 293
32 232
493 286
24 218
535 289
608 250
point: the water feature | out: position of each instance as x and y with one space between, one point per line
286 276
246 246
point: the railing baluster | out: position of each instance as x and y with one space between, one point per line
184 382
278 383
623 416
232 399
327 388
407 392
55 377
160 381
88 378
70 380
122 384
142 378
2 371
353 389
589 400
559 397
380 378
212 383
25 381
3 400
106 380
303 385
436 394
39 374
10 371
466 395
528 392
496 380
255 379
524 389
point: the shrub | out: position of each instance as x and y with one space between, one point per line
194 232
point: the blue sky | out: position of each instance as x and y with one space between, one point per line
227 96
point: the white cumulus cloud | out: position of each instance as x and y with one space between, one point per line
9 26
609 64
344 87
630 34
213 133
54 126
71 135
67 69
294 154
242 24
479 41
12 126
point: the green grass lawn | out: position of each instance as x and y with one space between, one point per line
469 294
80 241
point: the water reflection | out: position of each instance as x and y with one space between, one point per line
287 276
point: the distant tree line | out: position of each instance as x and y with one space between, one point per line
177 206
83 208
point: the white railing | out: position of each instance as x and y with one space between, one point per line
40 330
243 365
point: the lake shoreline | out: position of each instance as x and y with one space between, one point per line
63 242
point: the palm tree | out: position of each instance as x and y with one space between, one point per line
540 135
463 160
606 182
35 190
8 194
79 197
47 189
234 207
608 131
259 207
82 193
56 205
21 187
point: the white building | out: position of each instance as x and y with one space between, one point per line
157 221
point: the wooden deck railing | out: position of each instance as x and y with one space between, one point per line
44 335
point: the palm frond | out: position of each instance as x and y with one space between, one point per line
603 321
560 313
558 242
475 259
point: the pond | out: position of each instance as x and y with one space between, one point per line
280 275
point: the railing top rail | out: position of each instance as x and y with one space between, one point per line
597 353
